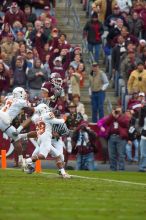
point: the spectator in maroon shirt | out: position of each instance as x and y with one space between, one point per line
4 79
128 37
6 29
37 36
117 124
14 14
63 44
48 15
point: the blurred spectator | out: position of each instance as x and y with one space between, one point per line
47 28
143 56
69 73
49 15
76 61
98 83
128 65
29 15
129 38
75 83
19 73
112 18
81 71
17 27
93 30
115 31
117 53
84 145
136 102
29 59
135 24
37 36
36 76
102 134
142 15
14 14
4 79
9 47
142 123
63 44
6 29
137 79
104 8
141 47
73 119
138 6
118 125
133 136
56 64
80 106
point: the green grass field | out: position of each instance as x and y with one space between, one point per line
48 197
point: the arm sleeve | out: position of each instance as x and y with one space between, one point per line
130 83
105 81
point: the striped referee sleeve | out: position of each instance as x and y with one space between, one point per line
61 129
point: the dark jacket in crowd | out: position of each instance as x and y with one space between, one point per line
133 132
4 81
93 30
10 17
19 77
35 82
123 125
38 41
117 53
91 145
37 4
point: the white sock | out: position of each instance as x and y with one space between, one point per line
62 171
20 158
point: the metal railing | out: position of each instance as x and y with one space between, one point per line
68 4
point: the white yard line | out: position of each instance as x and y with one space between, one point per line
102 179
93 178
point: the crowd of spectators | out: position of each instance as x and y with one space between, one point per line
118 28
32 49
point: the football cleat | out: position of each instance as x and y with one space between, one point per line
30 169
66 176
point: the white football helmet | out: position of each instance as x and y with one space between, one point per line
19 93
42 109
56 80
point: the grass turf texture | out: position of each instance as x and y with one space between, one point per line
48 197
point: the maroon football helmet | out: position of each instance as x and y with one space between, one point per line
56 80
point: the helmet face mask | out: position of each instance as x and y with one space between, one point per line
56 80
19 93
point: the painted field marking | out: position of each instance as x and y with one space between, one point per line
102 179
92 178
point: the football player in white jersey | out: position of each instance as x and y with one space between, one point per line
11 109
44 120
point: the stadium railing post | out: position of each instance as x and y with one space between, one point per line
3 159
38 167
